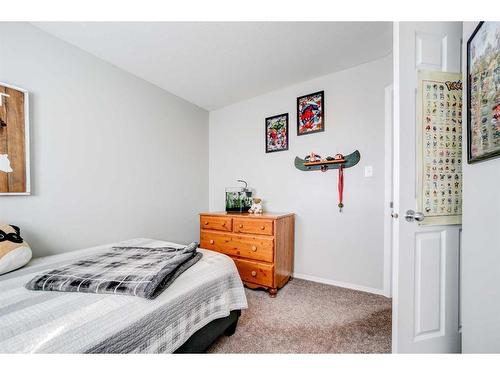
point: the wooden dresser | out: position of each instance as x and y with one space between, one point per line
261 245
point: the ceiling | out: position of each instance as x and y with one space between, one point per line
215 64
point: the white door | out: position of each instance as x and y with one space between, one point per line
426 258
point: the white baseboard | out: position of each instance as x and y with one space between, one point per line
341 284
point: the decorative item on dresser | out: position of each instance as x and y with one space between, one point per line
261 245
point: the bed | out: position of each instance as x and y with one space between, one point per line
202 303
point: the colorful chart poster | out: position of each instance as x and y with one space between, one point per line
439 121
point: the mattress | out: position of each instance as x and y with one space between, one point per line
62 322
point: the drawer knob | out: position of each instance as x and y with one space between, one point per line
241 225
254 248
254 273
223 224
212 242
206 222
263 227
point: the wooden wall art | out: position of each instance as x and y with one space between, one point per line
14 141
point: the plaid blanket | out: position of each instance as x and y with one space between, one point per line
136 271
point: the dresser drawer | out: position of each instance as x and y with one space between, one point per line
216 223
251 247
253 226
255 272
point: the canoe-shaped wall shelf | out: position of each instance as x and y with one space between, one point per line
314 162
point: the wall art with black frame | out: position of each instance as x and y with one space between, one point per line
483 92
311 113
277 133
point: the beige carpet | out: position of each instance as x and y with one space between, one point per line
309 317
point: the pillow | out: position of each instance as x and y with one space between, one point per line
14 252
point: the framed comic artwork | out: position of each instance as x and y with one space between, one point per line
277 133
311 113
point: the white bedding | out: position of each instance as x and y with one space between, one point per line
61 322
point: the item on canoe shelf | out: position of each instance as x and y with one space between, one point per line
314 162
312 157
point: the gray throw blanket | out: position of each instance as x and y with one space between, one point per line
136 271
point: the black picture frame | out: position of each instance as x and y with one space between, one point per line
266 133
322 129
490 155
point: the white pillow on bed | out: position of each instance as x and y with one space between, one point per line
14 251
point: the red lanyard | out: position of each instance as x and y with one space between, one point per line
341 186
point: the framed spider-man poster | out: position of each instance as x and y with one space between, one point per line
311 113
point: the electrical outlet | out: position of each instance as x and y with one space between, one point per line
368 171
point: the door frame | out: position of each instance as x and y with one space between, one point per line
388 191
395 148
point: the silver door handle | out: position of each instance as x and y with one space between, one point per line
414 216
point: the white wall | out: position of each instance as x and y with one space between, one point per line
480 246
345 248
113 157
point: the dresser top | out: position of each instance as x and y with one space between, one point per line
265 215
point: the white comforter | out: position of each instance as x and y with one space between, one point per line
61 322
